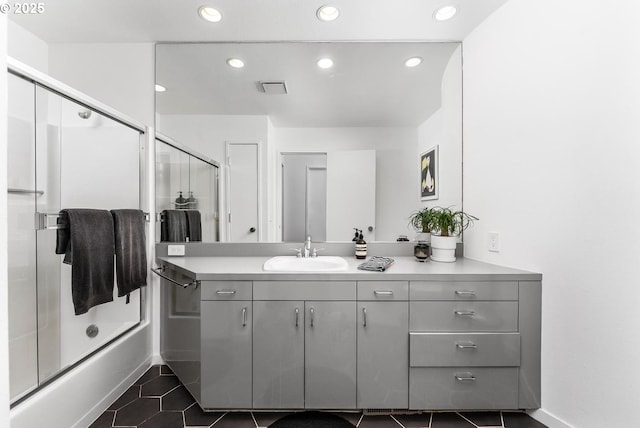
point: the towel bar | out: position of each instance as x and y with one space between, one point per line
25 191
195 282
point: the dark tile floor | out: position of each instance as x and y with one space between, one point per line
158 400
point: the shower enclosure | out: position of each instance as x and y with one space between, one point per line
62 153
182 173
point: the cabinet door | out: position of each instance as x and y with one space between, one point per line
330 355
226 354
383 360
278 345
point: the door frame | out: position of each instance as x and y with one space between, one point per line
227 185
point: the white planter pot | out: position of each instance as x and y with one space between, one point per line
443 248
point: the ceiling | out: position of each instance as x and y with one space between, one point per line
124 21
368 86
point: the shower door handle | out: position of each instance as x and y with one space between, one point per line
42 221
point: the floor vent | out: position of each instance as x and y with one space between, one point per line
376 412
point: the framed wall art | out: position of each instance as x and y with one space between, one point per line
429 174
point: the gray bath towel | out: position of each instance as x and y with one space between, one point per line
131 251
174 226
87 242
194 225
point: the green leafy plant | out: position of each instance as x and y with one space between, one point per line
422 220
449 222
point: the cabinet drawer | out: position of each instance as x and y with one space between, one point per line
463 290
226 290
304 290
383 290
463 388
463 316
464 349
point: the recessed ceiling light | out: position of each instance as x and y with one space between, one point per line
210 14
235 62
325 63
444 13
413 61
328 13
160 88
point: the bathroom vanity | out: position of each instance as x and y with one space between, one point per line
419 336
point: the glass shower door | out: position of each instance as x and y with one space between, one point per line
22 195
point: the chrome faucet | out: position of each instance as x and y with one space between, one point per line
307 246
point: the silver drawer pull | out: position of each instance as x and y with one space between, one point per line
464 313
311 313
383 293
465 293
466 345
297 316
244 316
364 317
467 377
221 292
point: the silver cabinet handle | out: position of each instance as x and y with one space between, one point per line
226 292
244 316
364 317
467 377
297 316
383 292
469 345
465 293
464 313
311 312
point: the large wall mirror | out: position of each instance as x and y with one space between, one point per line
306 150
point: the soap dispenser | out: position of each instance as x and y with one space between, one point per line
180 201
361 246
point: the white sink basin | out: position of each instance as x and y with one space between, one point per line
306 264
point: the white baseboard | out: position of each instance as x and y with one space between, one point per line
550 420
156 359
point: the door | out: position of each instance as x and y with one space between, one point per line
243 204
383 355
226 354
22 198
316 200
330 355
278 344
351 194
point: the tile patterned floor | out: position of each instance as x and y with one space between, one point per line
158 400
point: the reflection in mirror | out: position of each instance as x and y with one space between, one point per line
186 181
369 115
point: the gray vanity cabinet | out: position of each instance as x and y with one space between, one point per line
278 346
304 345
226 330
330 355
383 345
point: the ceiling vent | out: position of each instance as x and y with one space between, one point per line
273 87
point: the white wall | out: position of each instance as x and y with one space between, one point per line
121 76
27 48
397 174
4 303
444 128
551 143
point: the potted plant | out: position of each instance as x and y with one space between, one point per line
421 221
446 226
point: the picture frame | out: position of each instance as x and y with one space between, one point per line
429 170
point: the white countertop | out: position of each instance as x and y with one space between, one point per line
404 268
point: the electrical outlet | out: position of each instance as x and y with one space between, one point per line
175 250
494 242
